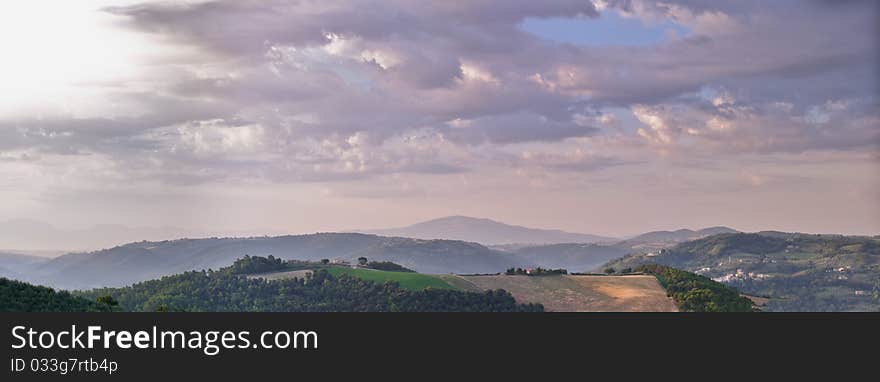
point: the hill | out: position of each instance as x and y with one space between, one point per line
406 280
148 260
486 232
229 289
798 272
576 257
16 296
14 265
663 239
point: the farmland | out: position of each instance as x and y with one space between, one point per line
407 280
569 293
299 274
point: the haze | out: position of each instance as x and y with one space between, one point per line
606 117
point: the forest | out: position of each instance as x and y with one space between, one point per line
695 293
16 296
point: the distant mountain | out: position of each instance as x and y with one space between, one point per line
24 234
798 272
575 257
14 265
148 260
487 232
662 239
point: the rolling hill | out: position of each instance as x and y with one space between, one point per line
235 289
270 284
662 239
15 266
406 280
148 260
486 232
798 272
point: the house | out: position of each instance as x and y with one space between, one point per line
340 262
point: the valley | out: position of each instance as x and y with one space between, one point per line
794 272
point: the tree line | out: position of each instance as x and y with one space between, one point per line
535 272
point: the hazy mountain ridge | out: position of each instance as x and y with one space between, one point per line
486 232
661 239
141 261
15 265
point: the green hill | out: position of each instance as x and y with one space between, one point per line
142 261
407 280
272 268
16 296
798 272
230 289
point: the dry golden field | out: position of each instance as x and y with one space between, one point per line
636 293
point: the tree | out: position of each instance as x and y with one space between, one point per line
325 261
107 300
877 289
362 261
16 296
609 271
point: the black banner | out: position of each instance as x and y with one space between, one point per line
125 346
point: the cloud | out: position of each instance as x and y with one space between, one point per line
512 128
331 90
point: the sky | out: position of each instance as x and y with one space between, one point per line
604 117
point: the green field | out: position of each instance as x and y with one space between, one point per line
407 280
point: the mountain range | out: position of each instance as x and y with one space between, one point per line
663 239
487 232
146 260
424 252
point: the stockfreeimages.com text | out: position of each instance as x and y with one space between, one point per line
210 342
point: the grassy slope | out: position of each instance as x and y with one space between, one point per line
407 280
